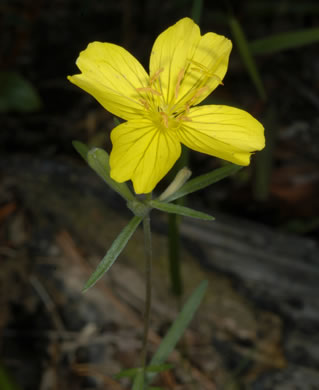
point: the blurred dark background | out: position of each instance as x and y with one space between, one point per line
41 113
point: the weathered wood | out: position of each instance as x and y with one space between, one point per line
261 280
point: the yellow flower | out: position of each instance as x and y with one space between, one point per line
185 68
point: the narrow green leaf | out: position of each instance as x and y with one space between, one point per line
159 367
246 55
284 41
81 148
112 254
98 160
178 327
205 180
139 381
181 210
197 10
156 388
129 373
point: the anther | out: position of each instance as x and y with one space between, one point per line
145 103
156 75
149 89
179 80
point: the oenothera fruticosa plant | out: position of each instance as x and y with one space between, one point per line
161 112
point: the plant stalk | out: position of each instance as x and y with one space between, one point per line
148 289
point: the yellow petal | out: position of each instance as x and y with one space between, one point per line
191 66
142 153
112 75
225 132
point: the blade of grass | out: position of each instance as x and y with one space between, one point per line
264 159
197 10
284 41
246 55
177 329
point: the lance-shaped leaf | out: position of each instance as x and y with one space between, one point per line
82 149
112 254
246 55
180 210
178 327
203 181
288 40
98 160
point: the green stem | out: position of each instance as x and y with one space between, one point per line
148 288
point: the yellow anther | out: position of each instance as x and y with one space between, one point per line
150 90
156 75
184 118
179 80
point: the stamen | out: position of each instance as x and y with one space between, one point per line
145 103
179 80
210 75
197 94
202 68
165 119
149 89
184 118
156 75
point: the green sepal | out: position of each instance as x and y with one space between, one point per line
205 180
180 210
112 254
98 160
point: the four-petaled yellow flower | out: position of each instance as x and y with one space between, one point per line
185 68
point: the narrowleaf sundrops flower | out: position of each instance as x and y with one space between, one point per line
160 108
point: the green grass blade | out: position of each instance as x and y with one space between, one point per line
139 381
82 149
112 254
98 160
197 10
178 327
205 180
246 55
180 210
288 40
129 373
